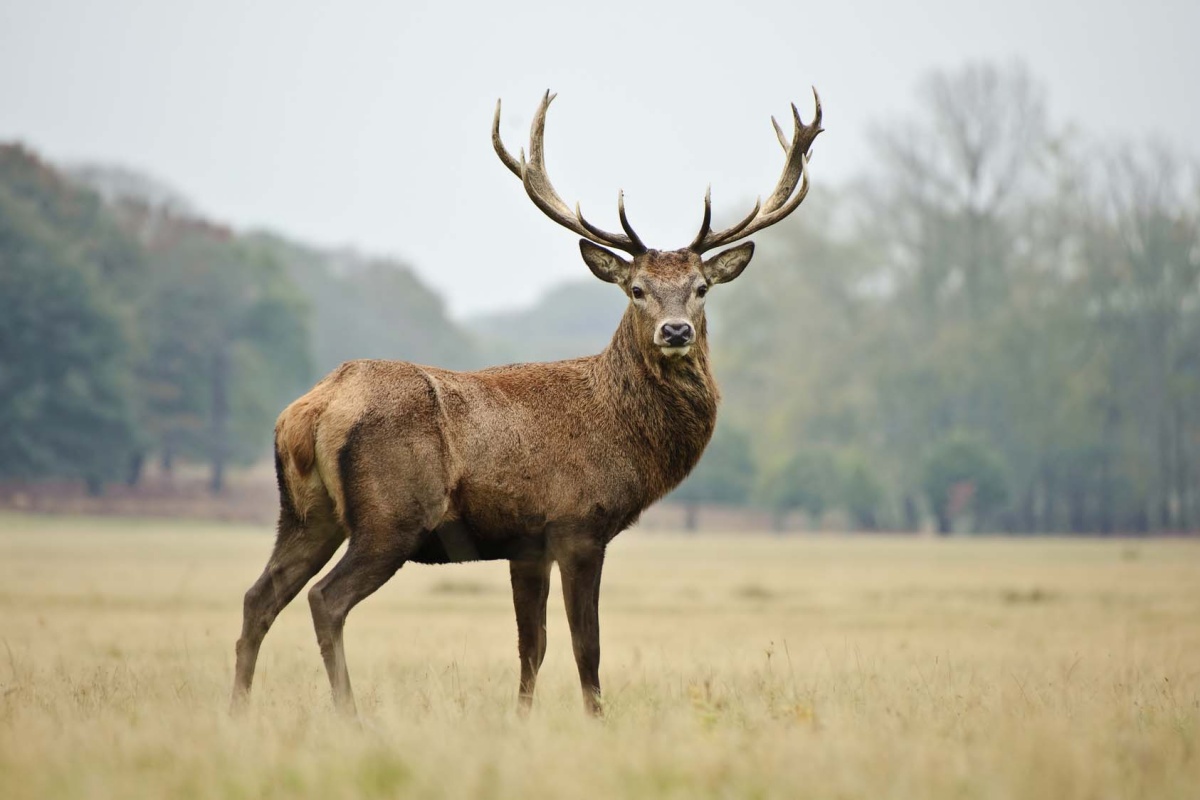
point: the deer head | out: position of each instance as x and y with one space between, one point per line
666 289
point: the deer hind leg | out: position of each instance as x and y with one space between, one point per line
391 497
370 561
580 567
530 588
301 549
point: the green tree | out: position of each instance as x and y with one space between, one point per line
860 491
808 481
787 345
723 476
1142 240
229 344
65 356
963 478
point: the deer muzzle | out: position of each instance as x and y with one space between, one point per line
675 336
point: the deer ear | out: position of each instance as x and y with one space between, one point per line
604 264
727 265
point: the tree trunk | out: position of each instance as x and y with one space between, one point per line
691 510
137 463
1077 512
1106 491
220 419
1027 515
912 519
1050 501
168 460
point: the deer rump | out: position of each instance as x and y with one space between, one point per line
460 460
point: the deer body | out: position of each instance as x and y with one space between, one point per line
492 460
538 464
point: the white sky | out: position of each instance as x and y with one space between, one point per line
368 124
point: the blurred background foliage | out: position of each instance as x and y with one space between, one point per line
997 327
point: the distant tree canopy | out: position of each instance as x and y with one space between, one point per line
807 482
1001 323
226 343
66 348
572 319
724 475
131 328
963 478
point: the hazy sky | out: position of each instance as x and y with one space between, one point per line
367 124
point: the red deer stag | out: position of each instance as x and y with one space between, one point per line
533 463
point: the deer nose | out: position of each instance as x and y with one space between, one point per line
677 334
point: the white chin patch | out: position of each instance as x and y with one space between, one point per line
678 352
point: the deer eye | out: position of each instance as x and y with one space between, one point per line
637 292
701 290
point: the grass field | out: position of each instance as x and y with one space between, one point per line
733 667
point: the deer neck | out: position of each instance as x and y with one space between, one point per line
669 405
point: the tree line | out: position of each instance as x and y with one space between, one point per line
132 328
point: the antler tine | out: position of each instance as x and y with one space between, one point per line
537 185
783 142
534 177
735 231
514 167
633 237
706 223
785 198
600 235
791 167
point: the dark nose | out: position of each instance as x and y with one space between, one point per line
677 334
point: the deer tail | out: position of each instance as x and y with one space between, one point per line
296 455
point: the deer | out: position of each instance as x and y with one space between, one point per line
537 464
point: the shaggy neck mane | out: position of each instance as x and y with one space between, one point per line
670 424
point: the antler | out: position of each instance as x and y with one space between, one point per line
541 192
778 205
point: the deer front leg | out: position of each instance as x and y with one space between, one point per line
580 569
530 588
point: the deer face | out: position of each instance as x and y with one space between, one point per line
667 290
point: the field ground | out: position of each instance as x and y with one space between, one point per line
733 667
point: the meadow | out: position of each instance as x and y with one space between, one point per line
733 666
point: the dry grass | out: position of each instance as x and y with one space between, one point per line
749 667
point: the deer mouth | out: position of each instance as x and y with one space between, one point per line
675 351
